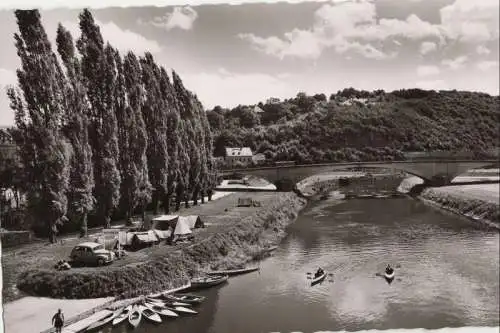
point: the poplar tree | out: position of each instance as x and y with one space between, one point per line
136 188
99 77
81 200
155 114
38 106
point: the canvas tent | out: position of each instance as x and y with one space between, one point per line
162 234
192 221
143 238
164 222
182 228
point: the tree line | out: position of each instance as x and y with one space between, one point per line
353 125
100 133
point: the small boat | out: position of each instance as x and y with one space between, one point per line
135 316
318 279
163 301
272 248
185 298
181 309
389 276
103 321
162 310
230 272
122 316
208 281
150 314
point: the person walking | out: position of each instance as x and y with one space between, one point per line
58 321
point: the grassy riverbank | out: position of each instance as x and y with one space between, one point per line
234 235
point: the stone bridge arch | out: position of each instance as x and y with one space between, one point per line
432 172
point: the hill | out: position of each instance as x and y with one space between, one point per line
357 125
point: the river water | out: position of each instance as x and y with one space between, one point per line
448 275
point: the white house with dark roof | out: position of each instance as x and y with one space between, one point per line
242 155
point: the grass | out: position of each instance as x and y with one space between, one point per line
233 235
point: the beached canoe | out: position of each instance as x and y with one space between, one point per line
150 314
135 316
318 279
185 298
208 281
162 310
95 326
230 272
122 316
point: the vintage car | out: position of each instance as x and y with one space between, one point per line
91 253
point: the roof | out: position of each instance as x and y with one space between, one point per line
243 151
165 218
257 109
89 244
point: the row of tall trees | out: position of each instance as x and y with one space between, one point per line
100 132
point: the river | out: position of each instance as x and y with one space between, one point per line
448 275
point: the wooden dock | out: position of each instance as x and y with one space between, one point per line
84 323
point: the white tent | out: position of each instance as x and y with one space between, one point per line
182 228
164 222
192 221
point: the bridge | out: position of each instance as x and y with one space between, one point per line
433 172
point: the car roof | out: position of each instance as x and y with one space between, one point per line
89 244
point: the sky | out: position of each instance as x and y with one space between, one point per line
233 53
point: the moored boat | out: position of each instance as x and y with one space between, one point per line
181 309
318 279
208 281
135 316
230 272
122 316
150 314
162 310
103 321
185 298
389 275
165 301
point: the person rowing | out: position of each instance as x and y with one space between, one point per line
319 272
389 270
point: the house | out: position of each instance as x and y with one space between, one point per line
257 109
259 158
238 155
273 100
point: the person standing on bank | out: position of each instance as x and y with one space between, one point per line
58 321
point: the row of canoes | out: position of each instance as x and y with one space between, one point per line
152 309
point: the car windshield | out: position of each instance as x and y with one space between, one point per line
98 247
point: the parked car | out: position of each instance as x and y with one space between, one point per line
91 253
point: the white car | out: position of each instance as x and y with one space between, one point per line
91 253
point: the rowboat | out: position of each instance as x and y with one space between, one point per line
234 271
104 321
389 276
208 281
318 279
186 298
186 286
162 310
163 301
122 316
150 314
272 248
181 309
135 316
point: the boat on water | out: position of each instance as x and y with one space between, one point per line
185 298
104 321
318 279
122 316
389 275
163 301
230 272
150 314
183 287
181 309
135 316
271 249
161 310
208 281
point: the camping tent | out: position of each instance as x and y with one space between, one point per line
192 221
143 238
182 228
162 234
164 222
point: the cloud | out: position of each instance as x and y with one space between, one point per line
181 17
427 70
432 85
427 47
486 65
456 63
7 77
471 21
230 89
124 40
480 49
